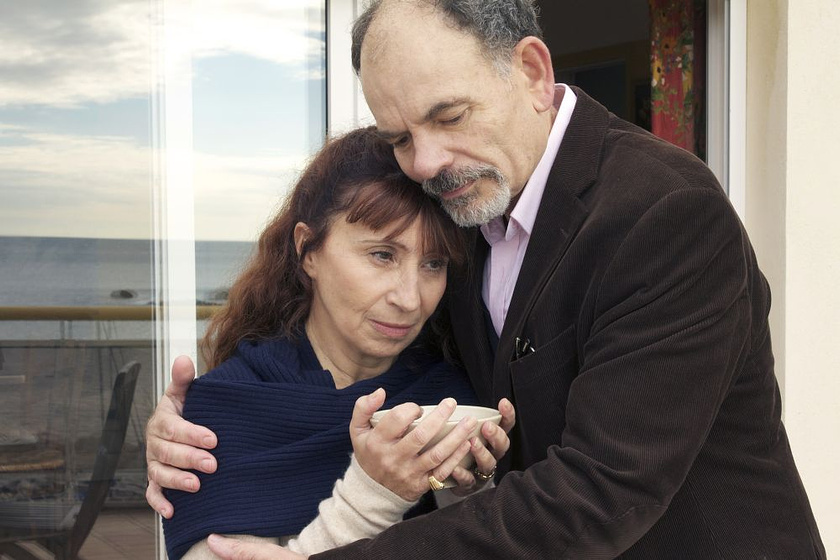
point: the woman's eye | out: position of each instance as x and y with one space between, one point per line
437 264
384 256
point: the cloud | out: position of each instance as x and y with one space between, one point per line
282 32
73 54
64 54
69 185
77 186
236 196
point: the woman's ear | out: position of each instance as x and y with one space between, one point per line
533 58
302 233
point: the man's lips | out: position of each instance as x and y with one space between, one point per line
448 195
392 330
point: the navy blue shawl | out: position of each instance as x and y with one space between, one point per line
282 428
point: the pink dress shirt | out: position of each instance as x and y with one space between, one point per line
508 244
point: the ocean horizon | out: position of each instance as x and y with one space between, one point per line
70 271
46 271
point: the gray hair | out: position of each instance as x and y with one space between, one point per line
497 24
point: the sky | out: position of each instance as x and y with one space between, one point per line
77 135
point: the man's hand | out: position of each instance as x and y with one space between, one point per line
232 549
486 456
173 444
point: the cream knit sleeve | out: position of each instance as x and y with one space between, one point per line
359 508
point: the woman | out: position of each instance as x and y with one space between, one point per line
333 307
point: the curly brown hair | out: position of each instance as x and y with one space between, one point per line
355 175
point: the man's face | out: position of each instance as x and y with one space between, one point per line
469 135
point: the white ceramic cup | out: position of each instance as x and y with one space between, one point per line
480 413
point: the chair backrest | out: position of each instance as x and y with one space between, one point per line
107 456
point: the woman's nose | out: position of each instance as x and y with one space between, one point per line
405 293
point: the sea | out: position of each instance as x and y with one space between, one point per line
57 271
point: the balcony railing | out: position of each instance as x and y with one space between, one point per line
57 367
91 313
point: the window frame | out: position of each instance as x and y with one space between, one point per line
173 189
346 107
173 277
727 97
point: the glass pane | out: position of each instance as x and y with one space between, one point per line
259 111
75 274
644 60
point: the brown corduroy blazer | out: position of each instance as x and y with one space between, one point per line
648 413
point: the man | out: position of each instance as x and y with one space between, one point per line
615 300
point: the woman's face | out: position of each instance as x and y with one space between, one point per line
371 294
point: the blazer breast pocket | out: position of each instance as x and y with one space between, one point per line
547 358
540 381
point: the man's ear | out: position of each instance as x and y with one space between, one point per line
532 57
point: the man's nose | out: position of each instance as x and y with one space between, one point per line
431 156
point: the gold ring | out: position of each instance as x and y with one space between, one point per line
485 477
435 484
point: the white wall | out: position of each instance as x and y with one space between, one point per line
793 215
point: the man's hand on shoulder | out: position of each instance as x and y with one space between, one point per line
231 549
173 444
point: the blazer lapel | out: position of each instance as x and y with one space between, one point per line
468 320
560 215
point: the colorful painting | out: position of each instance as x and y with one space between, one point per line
678 31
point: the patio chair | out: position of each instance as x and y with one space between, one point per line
60 526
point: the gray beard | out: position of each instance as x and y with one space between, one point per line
469 210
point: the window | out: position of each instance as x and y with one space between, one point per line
259 112
642 59
75 270
606 47
144 145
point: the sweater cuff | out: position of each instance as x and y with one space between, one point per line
356 480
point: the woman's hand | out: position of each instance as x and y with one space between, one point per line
393 458
486 456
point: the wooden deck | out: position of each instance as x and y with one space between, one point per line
122 534
119 534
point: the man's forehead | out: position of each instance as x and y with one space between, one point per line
390 11
398 23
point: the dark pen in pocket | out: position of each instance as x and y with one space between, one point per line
522 347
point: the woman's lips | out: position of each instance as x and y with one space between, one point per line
392 330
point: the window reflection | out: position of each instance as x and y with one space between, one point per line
75 281
76 160
259 111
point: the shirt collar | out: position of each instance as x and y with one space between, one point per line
524 214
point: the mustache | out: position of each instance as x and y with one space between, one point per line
449 180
